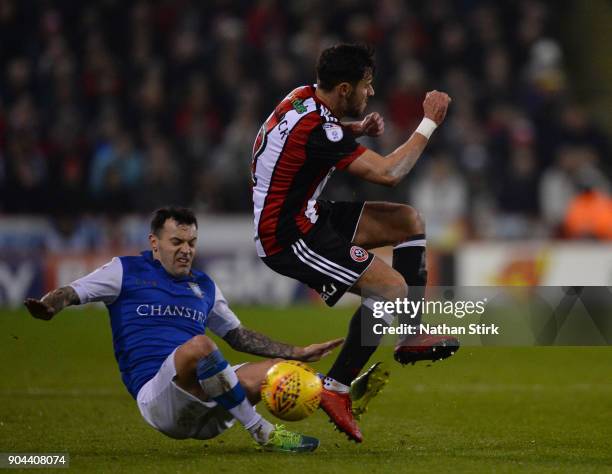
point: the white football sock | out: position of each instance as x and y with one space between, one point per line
261 430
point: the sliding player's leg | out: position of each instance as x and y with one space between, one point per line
250 374
204 394
384 223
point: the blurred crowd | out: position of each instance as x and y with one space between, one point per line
111 107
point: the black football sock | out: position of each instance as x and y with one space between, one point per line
409 261
356 351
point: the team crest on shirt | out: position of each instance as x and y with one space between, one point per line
333 131
358 254
196 289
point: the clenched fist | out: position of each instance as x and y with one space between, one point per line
435 106
373 125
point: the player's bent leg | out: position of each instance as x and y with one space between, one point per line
199 361
186 360
251 376
403 227
386 223
189 354
381 281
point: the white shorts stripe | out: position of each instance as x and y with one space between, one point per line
412 243
315 258
324 260
305 259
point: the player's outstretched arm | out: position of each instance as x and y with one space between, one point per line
52 303
390 170
246 340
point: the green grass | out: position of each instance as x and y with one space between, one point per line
534 409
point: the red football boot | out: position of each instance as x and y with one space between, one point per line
425 347
338 407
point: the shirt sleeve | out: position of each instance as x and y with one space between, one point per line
333 143
221 318
103 284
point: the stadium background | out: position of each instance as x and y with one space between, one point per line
109 109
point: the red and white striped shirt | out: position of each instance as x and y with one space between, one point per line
296 150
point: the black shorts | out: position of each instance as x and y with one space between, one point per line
326 259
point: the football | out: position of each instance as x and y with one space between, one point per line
291 390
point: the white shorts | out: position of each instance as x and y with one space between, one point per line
177 413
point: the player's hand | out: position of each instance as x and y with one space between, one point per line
39 309
373 125
314 352
435 106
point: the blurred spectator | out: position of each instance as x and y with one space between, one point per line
103 102
517 196
440 194
404 100
161 184
116 168
577 129
589 214
559 183
26 174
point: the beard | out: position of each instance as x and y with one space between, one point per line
355 107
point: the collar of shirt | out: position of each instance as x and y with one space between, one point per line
321 101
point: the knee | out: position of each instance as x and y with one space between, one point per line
201 346
396 288
401 288
252 380
411 221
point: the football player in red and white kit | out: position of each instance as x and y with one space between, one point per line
325 244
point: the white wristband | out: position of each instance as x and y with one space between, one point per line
426 127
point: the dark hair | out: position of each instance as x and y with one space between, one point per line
344 63
181 215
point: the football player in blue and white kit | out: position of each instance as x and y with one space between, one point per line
160 308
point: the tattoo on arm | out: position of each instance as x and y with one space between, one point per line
60 298
246 340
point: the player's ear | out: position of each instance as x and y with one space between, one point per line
154 242
345 89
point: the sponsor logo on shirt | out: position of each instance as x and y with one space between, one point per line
298 105
170 310
333 131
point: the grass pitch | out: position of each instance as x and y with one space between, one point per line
486 409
